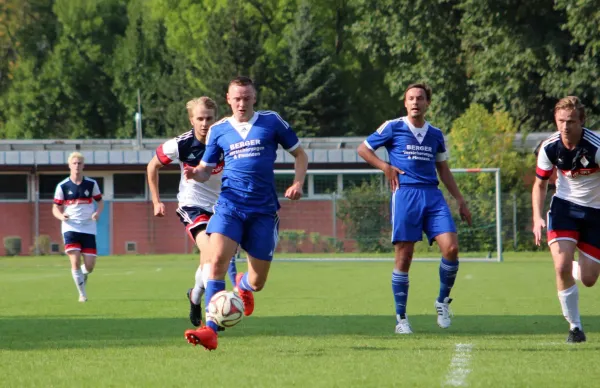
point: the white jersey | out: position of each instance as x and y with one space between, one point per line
578 178
187 150
78 202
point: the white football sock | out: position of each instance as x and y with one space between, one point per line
79 281
205 274
198 289
84 269
569 301
576 274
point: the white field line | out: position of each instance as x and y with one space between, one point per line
459 366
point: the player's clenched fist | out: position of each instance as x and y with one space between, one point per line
294 192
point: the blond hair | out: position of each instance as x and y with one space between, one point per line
76 155
571 103
208 103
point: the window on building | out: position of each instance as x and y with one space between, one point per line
352 180
48 185
283 181
129 186
325 184
168 185
13 186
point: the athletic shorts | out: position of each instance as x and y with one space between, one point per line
417 210
194 218
257 233
580 224
84 242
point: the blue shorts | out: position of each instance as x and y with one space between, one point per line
257 233
194 218
580 224
84 242
417 210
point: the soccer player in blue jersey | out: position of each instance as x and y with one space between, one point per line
417 156
246 211
196 200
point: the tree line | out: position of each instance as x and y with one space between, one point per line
72 68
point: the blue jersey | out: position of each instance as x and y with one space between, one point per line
250 150
413 150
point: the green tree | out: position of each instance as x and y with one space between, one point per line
143 61
70 95
577 63
313 99
365 212
416 41
506 46
482 139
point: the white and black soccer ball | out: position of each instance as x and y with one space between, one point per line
226 309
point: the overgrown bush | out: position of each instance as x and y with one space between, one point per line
12 245
364 210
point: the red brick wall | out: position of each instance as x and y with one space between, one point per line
134 221
16 219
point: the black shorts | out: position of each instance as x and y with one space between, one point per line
194 218
84 242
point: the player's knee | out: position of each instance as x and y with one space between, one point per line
589 281
258 286
563 269
451 252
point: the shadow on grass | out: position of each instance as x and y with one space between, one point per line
61 332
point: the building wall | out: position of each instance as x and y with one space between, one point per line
17 220
133 221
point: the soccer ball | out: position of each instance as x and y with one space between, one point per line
226 309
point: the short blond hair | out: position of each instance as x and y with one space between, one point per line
208 103
571 103
76 155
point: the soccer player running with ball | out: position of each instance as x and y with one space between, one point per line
574 215
417 156
74 205
246 212
196 199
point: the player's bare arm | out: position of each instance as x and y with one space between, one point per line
57 212
391 172
538 194
294 192
99 209
200 173
153 166
447 179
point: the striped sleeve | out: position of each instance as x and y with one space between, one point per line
544 168
168 152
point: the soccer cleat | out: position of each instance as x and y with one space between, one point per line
82 298
403 327
247 296
204 336
444 313
195 310
576 335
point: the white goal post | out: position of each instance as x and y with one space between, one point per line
323 185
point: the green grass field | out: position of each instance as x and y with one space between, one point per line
327 324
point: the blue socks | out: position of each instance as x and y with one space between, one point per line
245 285
212 287
448 270
232 270
400 290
